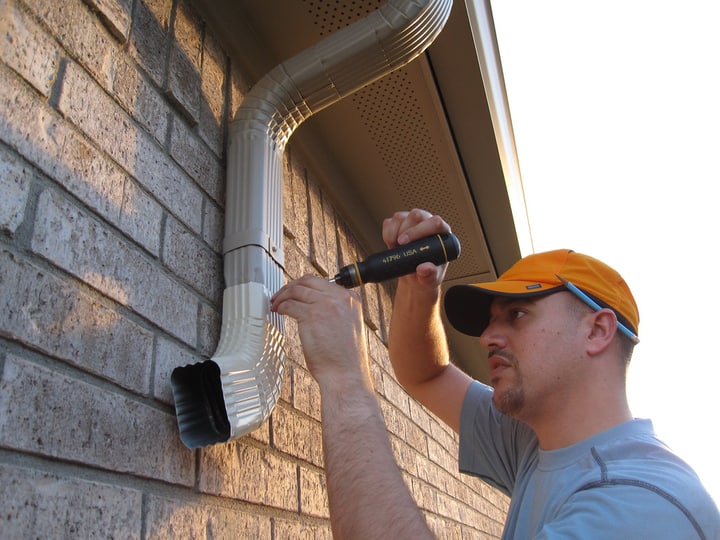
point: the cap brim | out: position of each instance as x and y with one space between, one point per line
467 307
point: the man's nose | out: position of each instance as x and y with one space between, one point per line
492 337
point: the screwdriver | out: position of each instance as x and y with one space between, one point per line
399 261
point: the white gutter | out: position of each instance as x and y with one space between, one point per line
488 53
234 392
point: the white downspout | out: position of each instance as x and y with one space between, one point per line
234 392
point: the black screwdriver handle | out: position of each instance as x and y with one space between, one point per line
438 249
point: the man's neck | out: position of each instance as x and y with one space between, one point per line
579 421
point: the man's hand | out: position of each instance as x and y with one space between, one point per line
405 227
330 325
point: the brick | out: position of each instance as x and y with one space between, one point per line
168 183
73 25
187 31
213 227
331 232
210 321
149 35
442 433
386 292
197 160
115 14
423 494
421 417
170 518
245 472
286 386
48 314
297 435
50 413
296 262
95 113
293 347
295 201
394 421
291 220
192 261
432 474
449 507
414 436
60 151
306 393
405 457
395 394
27 49
140 216
444 457
301 528
15 179
378 352
70 238
140 98
318 232
313 493
96 50
183 86
168 356
212 89
262 433
445 529
347 248
39 504
376 376
417 490
371 306
238 88
183 83
106 188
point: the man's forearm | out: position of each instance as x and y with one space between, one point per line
417 344
419 354
367 495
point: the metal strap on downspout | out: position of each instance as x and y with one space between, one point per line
234 392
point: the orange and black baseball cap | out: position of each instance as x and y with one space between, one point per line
468 306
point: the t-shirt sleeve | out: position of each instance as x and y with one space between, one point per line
492 444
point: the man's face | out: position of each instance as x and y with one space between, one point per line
532 352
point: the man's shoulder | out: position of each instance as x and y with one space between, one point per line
651 480
637 453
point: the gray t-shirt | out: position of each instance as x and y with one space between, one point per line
621 483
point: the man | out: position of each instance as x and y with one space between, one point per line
555 433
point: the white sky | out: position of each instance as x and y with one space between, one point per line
616 112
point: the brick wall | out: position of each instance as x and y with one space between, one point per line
113 118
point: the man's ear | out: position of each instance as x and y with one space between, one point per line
602 331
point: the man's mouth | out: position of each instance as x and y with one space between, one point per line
498 364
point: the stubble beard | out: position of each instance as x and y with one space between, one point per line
510 400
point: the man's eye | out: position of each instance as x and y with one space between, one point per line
516 314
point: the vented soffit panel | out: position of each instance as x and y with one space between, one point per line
421 137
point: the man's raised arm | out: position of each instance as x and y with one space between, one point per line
418 346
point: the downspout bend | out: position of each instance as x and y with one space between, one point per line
234 392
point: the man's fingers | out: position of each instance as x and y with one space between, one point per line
420 224
305 293
404 227
391 228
